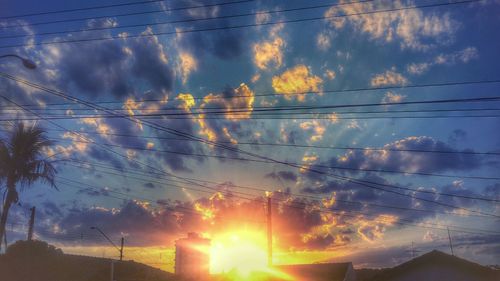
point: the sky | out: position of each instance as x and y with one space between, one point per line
206 116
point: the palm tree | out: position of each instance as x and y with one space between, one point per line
22 163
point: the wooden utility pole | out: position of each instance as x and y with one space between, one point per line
269 233
449 238
112 275
32 224
121 249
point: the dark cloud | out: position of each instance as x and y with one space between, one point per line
103 155
51 209
410 161
224 44
456 136
94 192
128 67
149 185
282 175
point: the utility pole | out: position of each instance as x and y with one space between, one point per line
269 233
32 224
449 238
111 242
112 270
121 249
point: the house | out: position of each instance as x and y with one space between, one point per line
192 257
319 271
438 266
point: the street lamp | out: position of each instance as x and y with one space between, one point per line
26 62
109 240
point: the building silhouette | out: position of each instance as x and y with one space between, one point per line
192 258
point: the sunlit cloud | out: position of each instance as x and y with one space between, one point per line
373 229
323 41
389 77
391 97
462 56
187 65
412 28
296 81
269 53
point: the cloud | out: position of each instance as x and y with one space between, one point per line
227 45
283 175
231 100
462 56
389 77
187 65
391 97
413 28
269 53
114 66
315 127
237 99
296 81
410 161
323 41
456 136
373 229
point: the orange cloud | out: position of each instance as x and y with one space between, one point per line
187 65
296 81
268 52
373 229
390 77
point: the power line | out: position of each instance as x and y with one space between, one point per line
315 115
235 149
260 190
315 165
79 9
302 205
466 152
331 91
189 20
188 31
256 118
112 6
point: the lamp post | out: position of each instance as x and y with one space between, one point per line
26 62
114 245
109 240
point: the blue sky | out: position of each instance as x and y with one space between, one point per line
230 69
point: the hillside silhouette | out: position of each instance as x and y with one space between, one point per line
39 261
437 265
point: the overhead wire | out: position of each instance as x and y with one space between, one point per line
369 184
188 20
210 29
85 165
295 145
163 10
153 150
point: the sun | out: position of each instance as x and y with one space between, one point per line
243 251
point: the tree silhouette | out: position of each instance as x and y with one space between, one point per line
22 163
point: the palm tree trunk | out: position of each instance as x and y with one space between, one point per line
11 198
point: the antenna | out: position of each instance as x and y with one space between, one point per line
269 233
449 238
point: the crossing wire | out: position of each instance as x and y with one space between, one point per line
190 20
331 91
152 150
368 184
466 152
115 6
211 29
84 164
304 205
